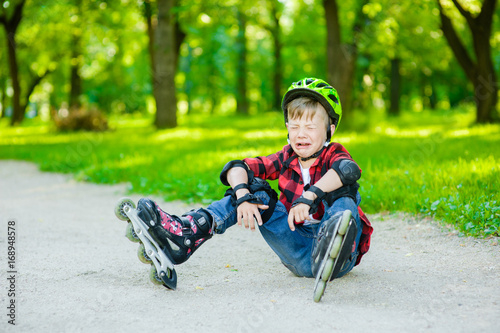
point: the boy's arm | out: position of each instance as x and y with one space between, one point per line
247 212
342 172
266 167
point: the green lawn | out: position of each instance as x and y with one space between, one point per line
423 163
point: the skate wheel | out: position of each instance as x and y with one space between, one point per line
327 271
153 276
143 256
319 290
345 222
120 214
130 233
337 243
169 281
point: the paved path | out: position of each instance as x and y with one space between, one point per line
76 272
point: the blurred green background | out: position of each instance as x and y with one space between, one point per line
161 94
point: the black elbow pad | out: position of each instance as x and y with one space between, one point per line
230 165
347 170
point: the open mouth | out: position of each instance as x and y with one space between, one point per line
303 144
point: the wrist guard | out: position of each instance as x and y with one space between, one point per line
313 204
249 197
255 185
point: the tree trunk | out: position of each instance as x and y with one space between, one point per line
17 110
10 25
148 15
241 72
76 79
3 101
278 67
485 85
481 73
394 109
188 83
179 39
165 66
433 97
341 57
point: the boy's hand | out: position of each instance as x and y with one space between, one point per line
248 213
300 212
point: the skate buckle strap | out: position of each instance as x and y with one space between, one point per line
314 204
249 197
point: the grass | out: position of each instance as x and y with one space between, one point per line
432 163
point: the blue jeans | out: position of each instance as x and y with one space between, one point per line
294 248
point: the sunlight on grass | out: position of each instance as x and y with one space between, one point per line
130 162
488 129
182 133
393 132
7 131
130 122
265 134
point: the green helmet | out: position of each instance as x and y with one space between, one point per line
319 90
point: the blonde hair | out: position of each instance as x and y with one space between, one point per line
301 106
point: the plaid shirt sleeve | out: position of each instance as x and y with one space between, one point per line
266 167
337 153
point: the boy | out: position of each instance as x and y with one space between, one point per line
316 227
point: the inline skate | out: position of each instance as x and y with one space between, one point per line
165 240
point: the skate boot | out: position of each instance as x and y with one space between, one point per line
166 240
332 248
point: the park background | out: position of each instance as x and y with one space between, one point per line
161 94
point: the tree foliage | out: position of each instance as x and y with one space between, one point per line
480 71
239 55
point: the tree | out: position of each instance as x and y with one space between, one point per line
165 39
11 19
10 25
3 83
481 71
241 66
341 55
395 87
165 58
76 59
275 32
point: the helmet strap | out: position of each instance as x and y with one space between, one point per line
316 154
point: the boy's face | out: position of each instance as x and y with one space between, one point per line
308 134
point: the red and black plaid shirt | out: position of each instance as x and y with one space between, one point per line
284 166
